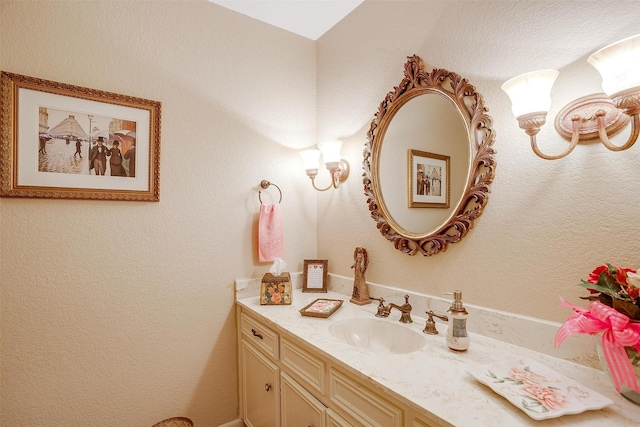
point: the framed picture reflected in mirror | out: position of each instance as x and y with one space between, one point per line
428 181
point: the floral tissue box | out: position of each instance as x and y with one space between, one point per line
275 290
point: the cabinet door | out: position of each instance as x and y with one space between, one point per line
260 385
368 407
299 407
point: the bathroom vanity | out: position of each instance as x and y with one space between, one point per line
303 371
315 389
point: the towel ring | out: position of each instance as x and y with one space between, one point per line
265 184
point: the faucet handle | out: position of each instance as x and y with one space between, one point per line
430 327
381 308
406 311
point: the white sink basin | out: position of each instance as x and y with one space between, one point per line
377 335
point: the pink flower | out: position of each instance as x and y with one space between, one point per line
276 298
526 377
548 397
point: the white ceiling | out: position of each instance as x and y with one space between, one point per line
308 18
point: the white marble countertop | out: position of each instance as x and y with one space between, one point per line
434 378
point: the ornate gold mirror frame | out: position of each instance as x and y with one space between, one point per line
470 105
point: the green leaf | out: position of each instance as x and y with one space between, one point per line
607 281
534 405
530 402
628 308
601 289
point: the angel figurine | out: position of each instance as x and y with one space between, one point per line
360 294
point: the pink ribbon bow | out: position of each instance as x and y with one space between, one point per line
618 334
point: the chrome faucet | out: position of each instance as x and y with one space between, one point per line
405 309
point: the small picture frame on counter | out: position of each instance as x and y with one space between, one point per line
314 275
321 307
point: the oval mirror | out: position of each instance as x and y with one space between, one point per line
428 160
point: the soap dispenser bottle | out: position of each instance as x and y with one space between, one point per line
457 337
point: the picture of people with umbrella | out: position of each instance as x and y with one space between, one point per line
98 157
58 155
115 161
129 149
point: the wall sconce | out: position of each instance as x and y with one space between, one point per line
589 117
330 151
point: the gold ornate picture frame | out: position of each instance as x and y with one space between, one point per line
69 142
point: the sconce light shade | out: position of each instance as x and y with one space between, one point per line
338 168
530 92
619 65
330 151
310 159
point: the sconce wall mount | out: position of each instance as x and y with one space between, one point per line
339 173
588 109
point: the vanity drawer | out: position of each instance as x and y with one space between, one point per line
364 405
308 368
260 336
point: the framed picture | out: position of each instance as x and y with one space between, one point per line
321 307
429 177
69 142
314 275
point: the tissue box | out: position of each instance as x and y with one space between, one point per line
275 290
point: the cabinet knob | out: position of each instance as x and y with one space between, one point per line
255 334
267 387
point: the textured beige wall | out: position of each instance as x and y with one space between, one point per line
120 313
547 223
102 328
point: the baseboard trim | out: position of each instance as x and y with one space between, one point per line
234 423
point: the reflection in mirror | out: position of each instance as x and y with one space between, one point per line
440 121
429 123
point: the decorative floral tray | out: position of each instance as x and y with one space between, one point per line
321 307
539 391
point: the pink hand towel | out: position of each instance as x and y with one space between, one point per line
270 233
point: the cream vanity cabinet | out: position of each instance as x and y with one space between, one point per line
284 382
